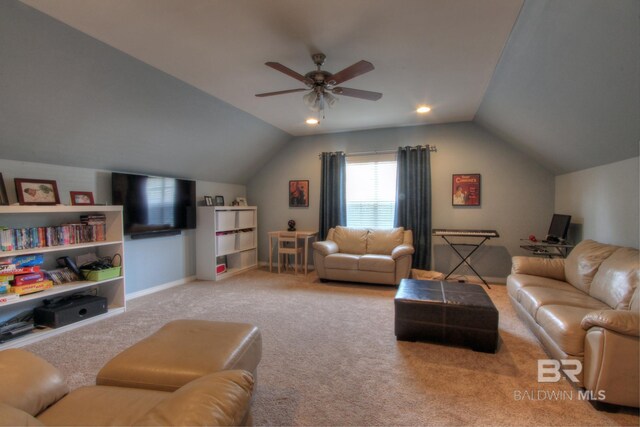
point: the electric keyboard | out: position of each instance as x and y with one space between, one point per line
465 233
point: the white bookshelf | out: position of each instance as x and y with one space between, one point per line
44 216
230 231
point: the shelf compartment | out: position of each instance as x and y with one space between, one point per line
39 334
58 248
59 289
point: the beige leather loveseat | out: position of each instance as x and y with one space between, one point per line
34 393
364 255
586 308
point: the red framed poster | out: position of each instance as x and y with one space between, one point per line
465 189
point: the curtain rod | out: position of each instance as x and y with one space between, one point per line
432 148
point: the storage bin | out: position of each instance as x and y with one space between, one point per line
226 243
98 275
245 240
243 260
246 219
225 220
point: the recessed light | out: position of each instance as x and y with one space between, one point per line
423 109
312 121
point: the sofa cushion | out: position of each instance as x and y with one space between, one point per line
95 405
342 261
562 324
532 298
35 383
583 262
616 279
517 281
380 263
351 240
220 399
382 242
10 416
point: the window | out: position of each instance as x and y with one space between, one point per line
371 190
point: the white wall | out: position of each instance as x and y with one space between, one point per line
603 200
148 262
517 193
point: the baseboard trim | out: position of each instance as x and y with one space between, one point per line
159 288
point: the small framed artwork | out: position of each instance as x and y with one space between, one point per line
208 201
37 191
219 201
465 189
4 200
79 198
299 194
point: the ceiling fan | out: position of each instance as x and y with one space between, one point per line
323 84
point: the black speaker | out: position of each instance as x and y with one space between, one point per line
69 311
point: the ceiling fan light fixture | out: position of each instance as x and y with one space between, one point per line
312 121
330 99
423 109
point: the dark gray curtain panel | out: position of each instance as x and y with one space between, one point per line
413 200
333 192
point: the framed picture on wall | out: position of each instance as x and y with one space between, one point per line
299 194
4 199
208 201
465 189
37 191
81 198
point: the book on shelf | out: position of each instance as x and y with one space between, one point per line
13 239
5 298
31 288
22 270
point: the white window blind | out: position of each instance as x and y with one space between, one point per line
371 190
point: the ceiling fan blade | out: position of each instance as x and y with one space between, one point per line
357 93
289 72
348 73
280 92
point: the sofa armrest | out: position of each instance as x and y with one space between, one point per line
621 321
553 268
219 399
402 250
29 383
326 247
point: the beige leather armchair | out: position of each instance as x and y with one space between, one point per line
34 393
364 255
586 308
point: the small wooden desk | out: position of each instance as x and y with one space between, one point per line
306 235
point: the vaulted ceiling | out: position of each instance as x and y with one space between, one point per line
435 52
559 80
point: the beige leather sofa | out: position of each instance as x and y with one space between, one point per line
33 393
364 255
586 308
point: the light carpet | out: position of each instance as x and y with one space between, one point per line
330 357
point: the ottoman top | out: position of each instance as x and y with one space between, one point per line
441 292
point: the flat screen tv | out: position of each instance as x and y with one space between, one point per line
154 205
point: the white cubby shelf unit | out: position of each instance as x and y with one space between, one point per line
230 232
45 216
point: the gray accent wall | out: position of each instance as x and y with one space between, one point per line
567 88
603 201
69 99
148 262
517 193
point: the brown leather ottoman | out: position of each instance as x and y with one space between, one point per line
182 351
446 312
